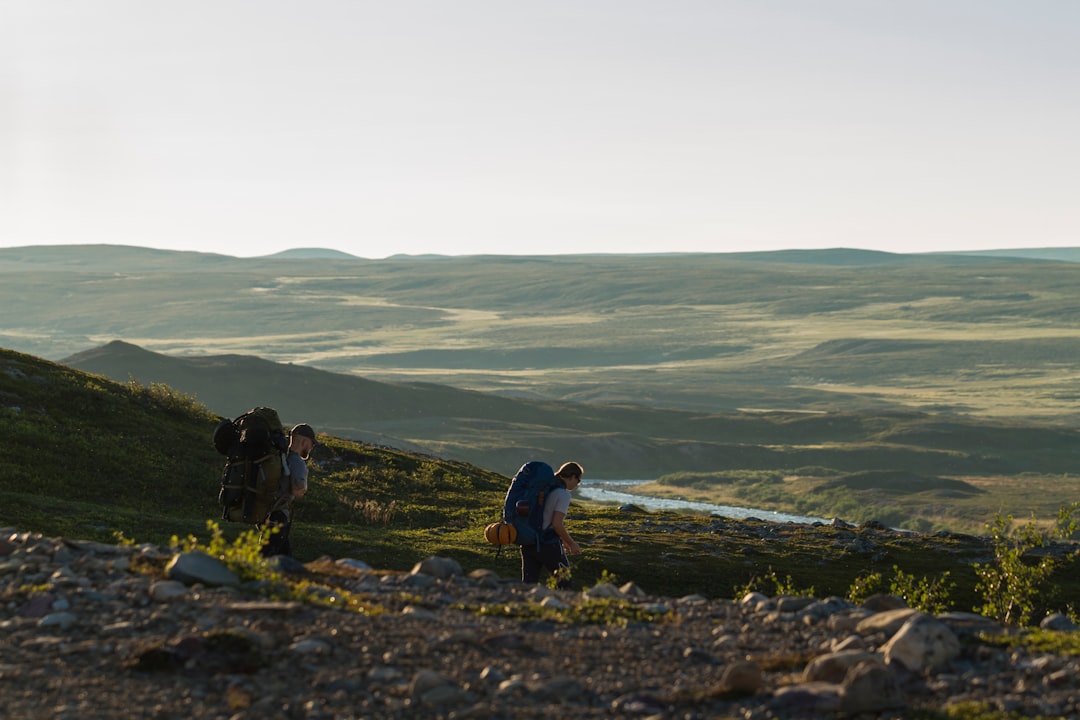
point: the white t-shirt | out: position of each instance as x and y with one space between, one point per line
558 500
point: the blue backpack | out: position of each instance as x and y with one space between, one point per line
524 506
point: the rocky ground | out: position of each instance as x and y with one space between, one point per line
101 631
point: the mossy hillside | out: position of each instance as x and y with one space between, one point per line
89 458
105 450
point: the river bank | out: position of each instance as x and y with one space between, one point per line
621 492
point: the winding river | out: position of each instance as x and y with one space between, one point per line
616 491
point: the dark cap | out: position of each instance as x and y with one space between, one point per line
303 430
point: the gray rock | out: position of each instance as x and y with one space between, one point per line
353 563
554 603
420 580
62 620
165 590
492 675
425 681
699 657
512 687
539 592
639 704
822 609
888 622
791 604
439 567
846 621
1058 623
434 690
724 642
851 642
310 646
603 590
870 687
485 578
922 644
801 700
753 599
743 677
198 567
419 613
834 667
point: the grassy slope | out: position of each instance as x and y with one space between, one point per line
87 457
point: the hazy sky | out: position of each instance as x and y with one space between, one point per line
551 126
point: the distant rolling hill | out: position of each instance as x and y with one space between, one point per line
312 254
847 257
841 257
625 441
837 330
1055 254
104 258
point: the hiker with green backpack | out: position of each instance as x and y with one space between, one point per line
292 487
265 472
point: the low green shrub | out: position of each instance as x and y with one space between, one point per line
930 596
1010 585
780 586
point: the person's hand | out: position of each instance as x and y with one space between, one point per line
572 548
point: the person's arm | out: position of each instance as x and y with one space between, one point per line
560 530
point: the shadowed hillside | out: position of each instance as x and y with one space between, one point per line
494 431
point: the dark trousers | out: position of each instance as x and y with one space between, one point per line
277 534
550 557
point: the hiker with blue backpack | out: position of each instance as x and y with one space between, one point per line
533 516
553 543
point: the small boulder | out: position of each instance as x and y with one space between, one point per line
834 667
922 644
198 567
870 687
1058 622
742 678
439 567
888 622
